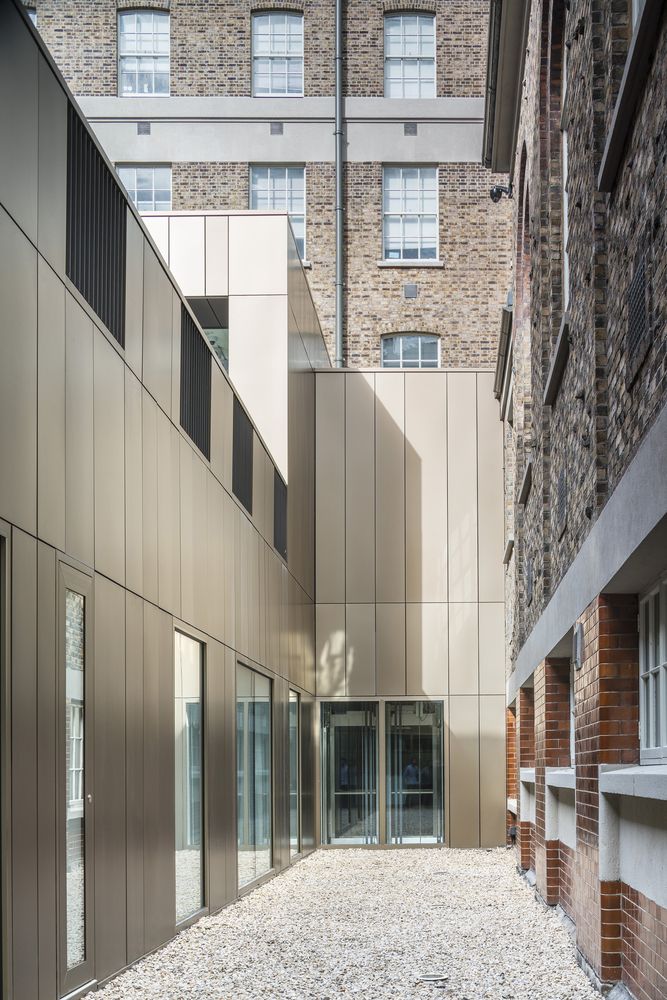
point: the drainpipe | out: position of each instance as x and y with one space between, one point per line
338 133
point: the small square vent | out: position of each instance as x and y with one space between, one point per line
143 128
410 291
410 128
276 128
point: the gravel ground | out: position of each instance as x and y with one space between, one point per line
363 923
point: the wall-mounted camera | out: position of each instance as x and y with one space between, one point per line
498 190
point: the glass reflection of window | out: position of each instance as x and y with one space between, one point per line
410 213
294 775
349 773
75 860
254 777
414 743
143 53
277 54
149 187
409 55
188 776
411 350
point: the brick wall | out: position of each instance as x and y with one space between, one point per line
511 772
525 732
552 749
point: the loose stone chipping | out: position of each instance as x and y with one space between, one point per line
364 923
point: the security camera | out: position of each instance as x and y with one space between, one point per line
497 191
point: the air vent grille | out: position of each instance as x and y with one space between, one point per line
529 581
410 128
276 128
195 384
242 457
639 313
96 229
561 502
279 514
143 128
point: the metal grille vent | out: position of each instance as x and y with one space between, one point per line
96 229
561 501
195 384
242 457
279 514
529 581
639 312
410 290
276 128
410 128
143 128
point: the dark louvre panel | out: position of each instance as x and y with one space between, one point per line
279 514
96 229
529 581
242 457
195 384
637 310
561 506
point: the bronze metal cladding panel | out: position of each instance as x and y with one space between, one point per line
330 650
359 488
18 371
426 631
134 751
157 330
18 120
491 648
24 756
390 648
490 484
50 407
309 653
134 561
176 310
149 496
229 541
389 487
330 488
159 868
187 516
462 485
134 294
215 571
168 538
109 430
217 770
426 486
492 769
47 700
464 648
360 650
464 771
52 183
79 487
109 791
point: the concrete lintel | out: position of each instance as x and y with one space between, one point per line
646 781
560 777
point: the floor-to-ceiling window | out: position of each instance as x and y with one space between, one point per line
189 801
349 773
414 772
294 774
253 774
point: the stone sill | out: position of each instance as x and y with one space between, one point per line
560 777
411 263
512 806
509 549
526 484
527 775
558 362
645 781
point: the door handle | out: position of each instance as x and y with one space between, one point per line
89 797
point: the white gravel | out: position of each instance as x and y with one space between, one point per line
364 923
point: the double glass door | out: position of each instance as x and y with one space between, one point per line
382 772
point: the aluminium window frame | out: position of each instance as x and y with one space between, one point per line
5 763
411 261
403 335
286 167
123 165
385 58
656 668
253 57
119 56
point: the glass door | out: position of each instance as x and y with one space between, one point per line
349 773
188 757
414 775
76 796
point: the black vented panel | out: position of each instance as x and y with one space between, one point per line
279 514
638 318
96 229
529 581
195 384
242 457
561 502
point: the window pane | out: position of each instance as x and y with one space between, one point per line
253 735
429 348
349 770
75 859
414 747
294 775
188 776
391 351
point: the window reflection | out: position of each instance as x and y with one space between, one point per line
75 860
349 768
253 756
294 775
188 775
414 742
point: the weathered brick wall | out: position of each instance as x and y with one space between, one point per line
552 749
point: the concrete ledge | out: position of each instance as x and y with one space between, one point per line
560 777
526 484
644 782
527 775
411 263
511 806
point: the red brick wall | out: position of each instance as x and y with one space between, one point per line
512 777
566 888
525 723
552 749
643 944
